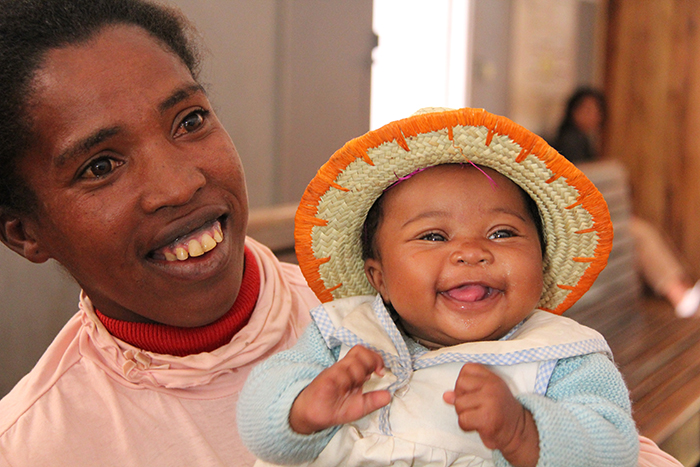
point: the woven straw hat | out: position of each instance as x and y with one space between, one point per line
332 211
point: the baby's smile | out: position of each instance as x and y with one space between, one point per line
469 292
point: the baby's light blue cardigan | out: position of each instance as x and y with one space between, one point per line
584 419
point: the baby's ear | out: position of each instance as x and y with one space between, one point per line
16 233
375 276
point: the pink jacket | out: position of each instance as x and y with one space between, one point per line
95 400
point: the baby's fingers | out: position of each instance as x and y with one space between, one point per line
375 400
367 357
359 364
470 380
474 378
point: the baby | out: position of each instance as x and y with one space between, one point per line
444 247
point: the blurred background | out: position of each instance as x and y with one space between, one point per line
293 80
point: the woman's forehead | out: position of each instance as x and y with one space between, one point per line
95 86
116 58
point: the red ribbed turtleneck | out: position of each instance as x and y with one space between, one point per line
172 340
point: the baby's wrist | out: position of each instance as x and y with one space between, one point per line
297 422
523 449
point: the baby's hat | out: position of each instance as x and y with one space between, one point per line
332 211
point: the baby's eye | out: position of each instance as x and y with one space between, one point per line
433 237
192 122
503 233
100 167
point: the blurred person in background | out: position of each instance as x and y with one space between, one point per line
577 139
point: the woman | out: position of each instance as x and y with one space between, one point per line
577 134
115 165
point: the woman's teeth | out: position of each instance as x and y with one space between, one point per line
196 245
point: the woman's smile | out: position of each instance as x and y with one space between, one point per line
192 243
195 256
195 244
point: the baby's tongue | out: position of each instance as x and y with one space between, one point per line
469 293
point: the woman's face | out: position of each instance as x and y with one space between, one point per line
130 165
588 116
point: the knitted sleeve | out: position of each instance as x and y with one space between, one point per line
267 397
585 417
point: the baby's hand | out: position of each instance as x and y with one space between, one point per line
335 396
485 404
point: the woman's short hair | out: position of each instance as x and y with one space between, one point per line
29 29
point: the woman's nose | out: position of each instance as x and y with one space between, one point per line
170 180
471 253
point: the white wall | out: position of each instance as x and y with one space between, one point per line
491 38
290 80
239 74
421 60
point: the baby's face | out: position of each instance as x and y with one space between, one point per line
459 258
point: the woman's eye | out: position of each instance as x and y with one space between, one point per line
100 167
433 237
501 234
191 122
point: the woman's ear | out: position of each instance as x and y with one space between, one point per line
375 276
14 233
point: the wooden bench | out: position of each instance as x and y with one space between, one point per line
657 353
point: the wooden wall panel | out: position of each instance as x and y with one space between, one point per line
686 200
653 87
